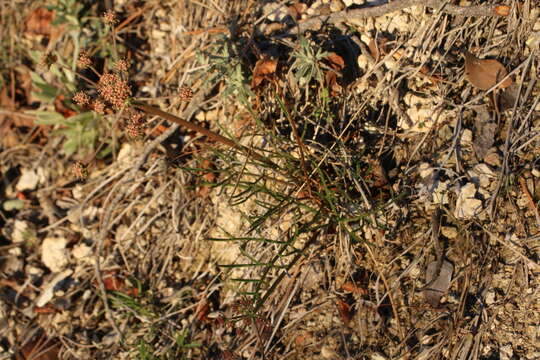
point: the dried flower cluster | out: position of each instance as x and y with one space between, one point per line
81 99
109 17
80 170
185 93
121 65
98 106
84 60
135 127
113 89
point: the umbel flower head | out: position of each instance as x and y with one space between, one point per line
109 17
84 60
81 99
113 89
80 170
135 127
185 93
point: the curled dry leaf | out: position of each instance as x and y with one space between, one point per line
350 287
344 310
263 68
485 73
377 48
113 282
337 64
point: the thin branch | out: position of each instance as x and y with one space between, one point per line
374 11
202 130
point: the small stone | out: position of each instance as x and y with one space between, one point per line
81 252
467 206
328 353
28 181
53 253
466 137
377 356
126 154
533 42
12 264
48 293
425 170
482 174
363 62
490 298
506 352
20 231
336 5
212 115
449 231
493 158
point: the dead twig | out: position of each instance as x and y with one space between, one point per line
202 130
374 11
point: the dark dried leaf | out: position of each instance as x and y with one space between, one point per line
336 62
263 68
40 348
437 287
485 73
344 310
485 131
377 48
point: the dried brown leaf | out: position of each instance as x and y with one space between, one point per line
350 287
336 62
344 310
485 73
40 349
263 68
38 22
377 48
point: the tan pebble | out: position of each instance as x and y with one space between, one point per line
336 5
493 158
449 231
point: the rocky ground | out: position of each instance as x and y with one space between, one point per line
380 203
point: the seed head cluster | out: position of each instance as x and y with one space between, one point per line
121 65
84 60
80 170
81 99
98 106
113 89
135 127
185 93
109 17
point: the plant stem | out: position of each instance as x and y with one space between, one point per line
202 130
